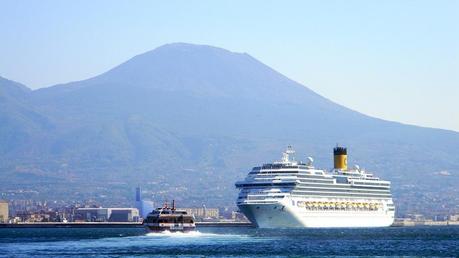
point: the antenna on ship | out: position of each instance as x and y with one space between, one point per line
287 153
290 150
310 161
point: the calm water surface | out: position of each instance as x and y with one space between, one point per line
236 242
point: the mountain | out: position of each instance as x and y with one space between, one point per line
19 121
187 121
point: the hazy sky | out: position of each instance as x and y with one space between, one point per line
397 60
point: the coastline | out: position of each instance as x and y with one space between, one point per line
198 224
110 224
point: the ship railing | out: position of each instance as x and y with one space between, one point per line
263 197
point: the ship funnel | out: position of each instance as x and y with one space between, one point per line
173 204
340 158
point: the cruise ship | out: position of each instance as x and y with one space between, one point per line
294 194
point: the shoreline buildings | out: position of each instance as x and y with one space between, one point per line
4 211
106 215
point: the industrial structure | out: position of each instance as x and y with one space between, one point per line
106 215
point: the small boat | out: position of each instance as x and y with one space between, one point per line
169 219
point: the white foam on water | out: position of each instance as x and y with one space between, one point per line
194 237
182 234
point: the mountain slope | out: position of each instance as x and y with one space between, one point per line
188 120
19 121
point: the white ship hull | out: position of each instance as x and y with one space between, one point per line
283 215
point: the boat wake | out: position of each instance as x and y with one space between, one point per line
181 234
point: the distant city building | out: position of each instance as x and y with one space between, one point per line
138 200
203 212
143 206
418 217
4 211
107 214
91 214
124 215
405 222
138 194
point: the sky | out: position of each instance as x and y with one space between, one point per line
396 60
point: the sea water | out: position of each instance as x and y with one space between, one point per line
227 241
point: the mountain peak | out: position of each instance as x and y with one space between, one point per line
13 84
184 45
183 49
187 52
9 88
198 69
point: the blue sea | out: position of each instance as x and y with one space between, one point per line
230 242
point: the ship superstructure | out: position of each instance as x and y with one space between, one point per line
290 193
